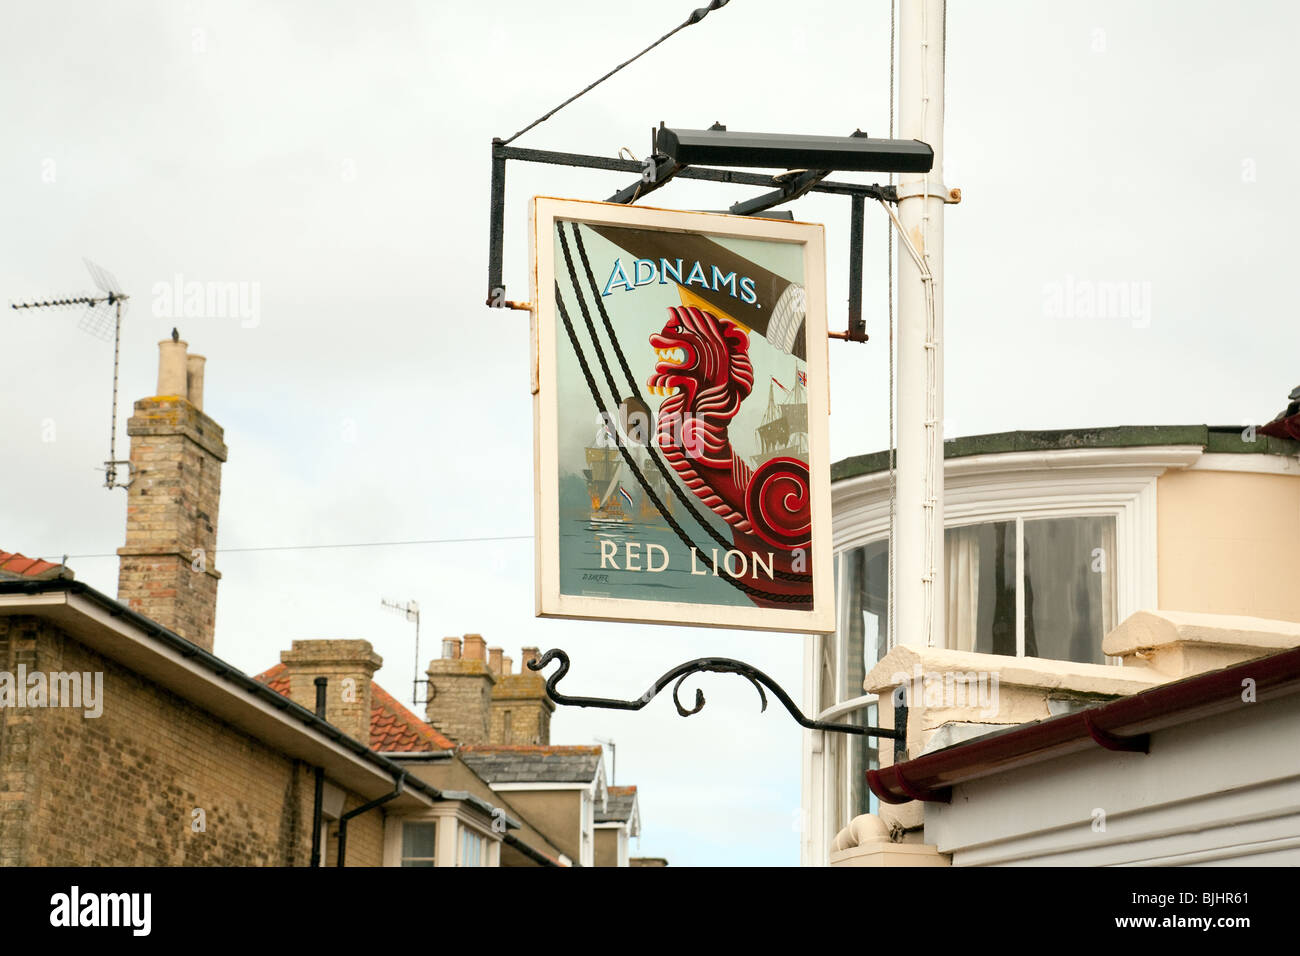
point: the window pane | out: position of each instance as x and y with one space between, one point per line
419 841
863 756
981 584
474 844
866 621
1069 587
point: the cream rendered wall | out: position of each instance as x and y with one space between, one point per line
1229 542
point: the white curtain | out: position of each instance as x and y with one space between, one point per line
963 552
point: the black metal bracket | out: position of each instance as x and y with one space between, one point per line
656 171
708 665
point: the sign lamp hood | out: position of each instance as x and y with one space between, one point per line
859 152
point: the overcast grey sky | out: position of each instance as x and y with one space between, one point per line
334 157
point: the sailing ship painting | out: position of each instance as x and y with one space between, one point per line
784 432
611 501
708 500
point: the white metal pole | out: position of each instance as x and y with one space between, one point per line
918 550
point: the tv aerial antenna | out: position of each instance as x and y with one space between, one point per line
412 611
102 319
613 756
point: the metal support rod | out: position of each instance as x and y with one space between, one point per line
665 170
857 329
662 171
900 741
715 665
319 794
496 228
792 190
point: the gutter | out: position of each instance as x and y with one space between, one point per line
364 808
535 855
1122 725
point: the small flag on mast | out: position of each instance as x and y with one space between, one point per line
803 379
626 497
779 385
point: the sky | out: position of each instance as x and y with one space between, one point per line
332 158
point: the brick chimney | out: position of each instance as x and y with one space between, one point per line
460 691
521 711
166 569
349 666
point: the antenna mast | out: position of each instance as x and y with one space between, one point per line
95 320
412 611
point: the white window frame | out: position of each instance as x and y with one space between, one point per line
437 836
1121 561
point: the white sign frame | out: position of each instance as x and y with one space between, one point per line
547 333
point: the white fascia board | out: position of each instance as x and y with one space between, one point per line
1248 463
117 638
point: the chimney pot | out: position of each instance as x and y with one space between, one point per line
494 659
507 665
194 380
474 647
525 655
451 648
172 368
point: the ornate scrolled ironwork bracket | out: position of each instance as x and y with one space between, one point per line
708 665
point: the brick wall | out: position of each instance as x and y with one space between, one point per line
122 788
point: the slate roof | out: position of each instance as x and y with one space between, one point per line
393 728
537 763
618 806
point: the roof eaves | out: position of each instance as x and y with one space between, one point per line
209 661
930 777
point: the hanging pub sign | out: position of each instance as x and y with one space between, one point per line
680 416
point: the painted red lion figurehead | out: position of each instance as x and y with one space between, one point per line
704 362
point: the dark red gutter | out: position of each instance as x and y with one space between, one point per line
1124 724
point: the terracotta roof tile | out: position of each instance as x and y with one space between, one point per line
393 728
277 678
15 565
543 749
